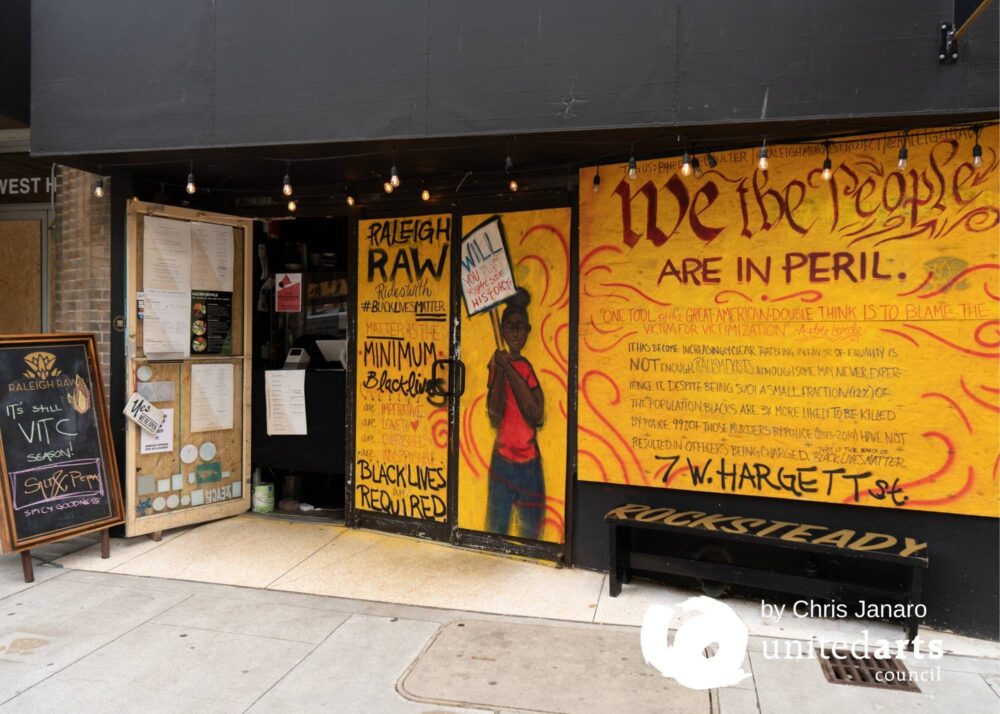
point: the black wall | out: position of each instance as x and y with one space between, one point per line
961 585
124 75
15 61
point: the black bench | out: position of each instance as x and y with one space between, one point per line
721 529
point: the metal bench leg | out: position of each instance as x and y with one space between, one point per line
614 572
625 554
916 585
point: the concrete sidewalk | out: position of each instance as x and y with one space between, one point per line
112 642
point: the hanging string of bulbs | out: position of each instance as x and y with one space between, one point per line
690 164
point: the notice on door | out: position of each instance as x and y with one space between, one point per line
401 462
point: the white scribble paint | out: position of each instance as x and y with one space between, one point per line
705 622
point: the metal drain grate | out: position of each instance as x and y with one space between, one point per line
888 673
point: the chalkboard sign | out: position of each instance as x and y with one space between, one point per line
59 474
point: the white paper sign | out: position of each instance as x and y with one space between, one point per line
211 257
285 396
166 254
148 417
167 324
211 397
162 442
487 279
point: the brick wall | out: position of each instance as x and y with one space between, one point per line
80 249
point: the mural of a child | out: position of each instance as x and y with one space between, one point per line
516 408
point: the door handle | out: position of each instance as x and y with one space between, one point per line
452 383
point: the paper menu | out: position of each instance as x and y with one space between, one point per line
211 257
166 324
211 397
285 396
166 254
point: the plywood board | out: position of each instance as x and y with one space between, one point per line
21 277
217 491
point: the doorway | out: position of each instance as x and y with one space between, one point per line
428 459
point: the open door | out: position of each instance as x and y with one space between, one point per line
189 345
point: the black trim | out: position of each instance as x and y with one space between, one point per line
496 543
414 527
118 198
572 378
351 387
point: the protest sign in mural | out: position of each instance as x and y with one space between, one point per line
773 333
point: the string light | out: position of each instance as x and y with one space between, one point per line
508 166
686 164
631 167
425 195
99 186
393 173
292 205
597 180
286 183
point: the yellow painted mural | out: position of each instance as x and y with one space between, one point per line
774 333
508 487
404 283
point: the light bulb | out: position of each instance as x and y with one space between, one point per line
762 159
903 156
387 186
977 156
712 163
99 187
508 165
827 169
286 185
425 195
190 188
696 166
597 182
686 165
292 205
350 200
513 185
633 173
394 177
